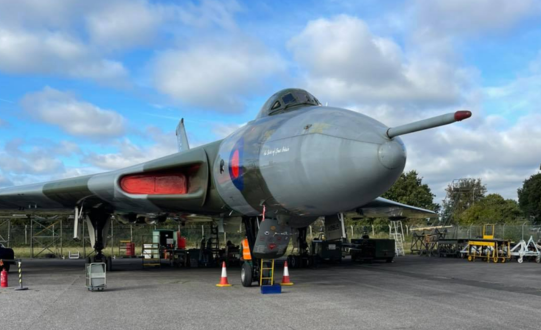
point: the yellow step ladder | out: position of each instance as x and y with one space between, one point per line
263 269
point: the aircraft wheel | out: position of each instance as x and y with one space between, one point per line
520 260
246 275
109 264
292 261
470 258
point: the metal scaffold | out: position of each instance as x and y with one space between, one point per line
46 236
396 232
424 240
5 232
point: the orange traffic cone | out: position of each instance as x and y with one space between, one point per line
285 278
223 280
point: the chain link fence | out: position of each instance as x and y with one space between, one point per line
54 238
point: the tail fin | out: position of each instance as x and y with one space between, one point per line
182 138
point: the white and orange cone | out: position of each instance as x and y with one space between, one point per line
223 279
285 278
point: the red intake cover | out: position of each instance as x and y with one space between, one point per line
155 184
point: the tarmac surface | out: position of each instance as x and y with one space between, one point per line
411 293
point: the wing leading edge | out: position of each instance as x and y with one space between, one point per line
384 208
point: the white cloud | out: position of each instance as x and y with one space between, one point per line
215 75
75 117
40 159
124 24
345 63
209 13
224 130
5 182
465 17
129 153
519 96
38 14
503 159
55 53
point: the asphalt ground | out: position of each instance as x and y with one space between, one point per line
411 293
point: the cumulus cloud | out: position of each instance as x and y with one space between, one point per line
124 24
37 158
75 117
502 158
129 153
209 13
345 63
519 96
72 38
224 130
463 17
55 53
5 182
215 75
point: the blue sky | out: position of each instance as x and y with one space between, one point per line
87 87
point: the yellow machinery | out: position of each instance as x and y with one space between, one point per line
489 248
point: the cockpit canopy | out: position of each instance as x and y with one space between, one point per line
287 100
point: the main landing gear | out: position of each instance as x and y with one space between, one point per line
302 258
249 272
98 222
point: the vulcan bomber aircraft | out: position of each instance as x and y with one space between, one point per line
295 162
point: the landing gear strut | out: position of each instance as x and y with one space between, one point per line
98 222
250 268
303 259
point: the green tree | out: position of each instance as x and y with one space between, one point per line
461 194
409 189
529 198
491 209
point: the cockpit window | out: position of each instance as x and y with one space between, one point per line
287 100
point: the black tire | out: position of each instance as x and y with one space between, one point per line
389 260
246 275
109 264
292 261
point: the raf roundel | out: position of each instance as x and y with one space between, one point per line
235 165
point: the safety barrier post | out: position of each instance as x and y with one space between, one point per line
21 287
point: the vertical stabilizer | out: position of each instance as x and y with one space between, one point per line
182 138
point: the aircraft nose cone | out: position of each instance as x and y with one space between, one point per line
329 160
392 154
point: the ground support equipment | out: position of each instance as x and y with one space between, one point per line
176 257
526 250
495 250
368 250
451 248
266 277
323 250
425 243
96 276
151 255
